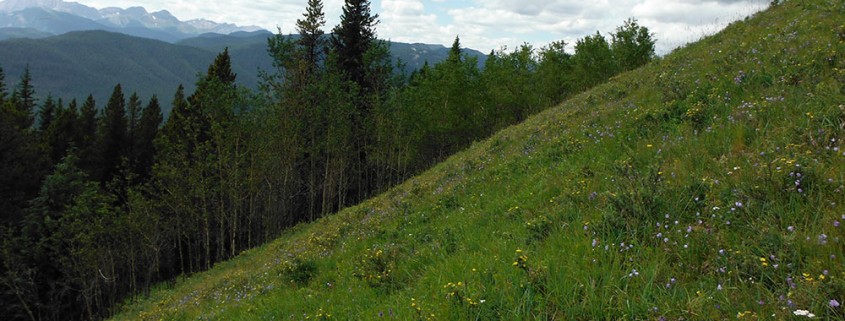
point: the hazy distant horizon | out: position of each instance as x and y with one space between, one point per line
482 24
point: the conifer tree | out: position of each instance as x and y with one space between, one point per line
23 98
176 128
87 133
112 135
133 119
47 113
88 120
221 69
352 38
455 52
311 33
62 132
146 133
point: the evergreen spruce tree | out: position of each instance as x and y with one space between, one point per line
146 133
88 121
23 98
62 133
87 132
22 161
311 33
133 119
221 69
47 113
112 136
351 40
455 53
178 112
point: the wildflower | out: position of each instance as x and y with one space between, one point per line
823 239
719 287
790 228
804 313
834 303
835 223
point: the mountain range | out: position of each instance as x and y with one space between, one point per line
58 17
73 50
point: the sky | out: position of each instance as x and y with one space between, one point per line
483 25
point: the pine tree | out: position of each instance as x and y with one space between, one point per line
47 113
311 33
133 119
455 53
24 99
62 132
146 133
88 120
221 69
112 136
352 39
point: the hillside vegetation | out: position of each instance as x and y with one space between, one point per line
76 64
708 185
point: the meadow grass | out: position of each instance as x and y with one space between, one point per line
708 185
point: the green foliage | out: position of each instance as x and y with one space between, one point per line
3 92
632 45
638 209
300 272
23 99
144 138
112 136
351 40
594 62
311 32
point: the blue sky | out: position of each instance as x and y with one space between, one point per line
482 24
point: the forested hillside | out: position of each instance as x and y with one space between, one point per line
103 199
704 186
76 64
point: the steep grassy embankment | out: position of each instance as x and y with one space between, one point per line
706 186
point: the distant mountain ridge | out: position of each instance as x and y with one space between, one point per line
74 50
59 17
79 63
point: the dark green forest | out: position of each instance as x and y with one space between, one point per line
100 201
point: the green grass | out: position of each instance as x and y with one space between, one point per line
704 186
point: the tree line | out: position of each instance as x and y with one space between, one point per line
99 204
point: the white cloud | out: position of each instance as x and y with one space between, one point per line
481 24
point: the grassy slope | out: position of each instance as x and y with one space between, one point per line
705 186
